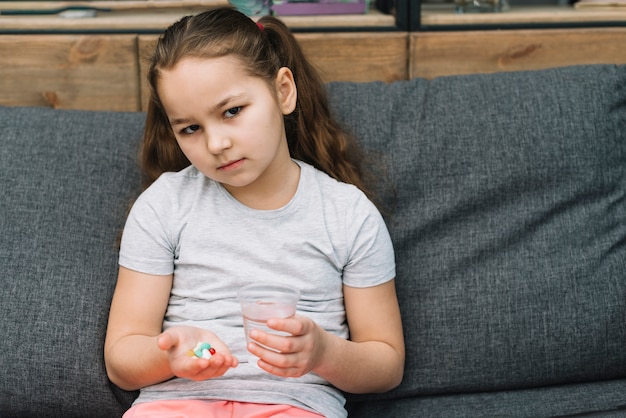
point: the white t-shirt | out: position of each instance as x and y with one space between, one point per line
328 235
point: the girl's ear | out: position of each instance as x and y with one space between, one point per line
286 89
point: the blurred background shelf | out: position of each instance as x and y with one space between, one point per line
154 16
98 63
434 16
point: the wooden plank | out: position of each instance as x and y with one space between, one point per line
123 21
69 71
446 53
359 57
373 18
144 5
433 15
156 20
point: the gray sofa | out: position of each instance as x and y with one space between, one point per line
505 198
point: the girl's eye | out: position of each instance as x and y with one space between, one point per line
190 129
232 112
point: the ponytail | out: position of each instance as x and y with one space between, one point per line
313 134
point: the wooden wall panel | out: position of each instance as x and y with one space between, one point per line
359 57
92 72
107 72
446 53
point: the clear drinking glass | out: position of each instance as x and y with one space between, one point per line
260 302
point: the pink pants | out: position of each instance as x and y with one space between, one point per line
215 409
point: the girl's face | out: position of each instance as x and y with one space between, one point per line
230 124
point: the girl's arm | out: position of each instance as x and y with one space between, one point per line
371 361
137 353
132 357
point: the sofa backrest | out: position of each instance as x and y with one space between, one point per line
67 178
509 223
506 199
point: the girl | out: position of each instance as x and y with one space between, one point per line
247 177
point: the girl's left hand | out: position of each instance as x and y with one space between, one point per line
295 355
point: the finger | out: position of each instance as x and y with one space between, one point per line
202 368
218 361
294 325
230 362
167 341
222 367
209 368
234 362
265 339
270 356
278 370
197 370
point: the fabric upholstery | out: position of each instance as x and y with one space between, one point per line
601 399
505 196
509 223
67 180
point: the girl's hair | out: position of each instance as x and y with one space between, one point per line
313 135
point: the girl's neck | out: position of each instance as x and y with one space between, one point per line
274 191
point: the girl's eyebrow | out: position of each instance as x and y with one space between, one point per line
227 100
218 106
182 121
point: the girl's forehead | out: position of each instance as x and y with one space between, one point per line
230 62
195 72
225 69
208 81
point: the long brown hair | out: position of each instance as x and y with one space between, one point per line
313 134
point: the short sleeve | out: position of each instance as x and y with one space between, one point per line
371 256
147 245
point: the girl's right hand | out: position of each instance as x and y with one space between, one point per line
177 341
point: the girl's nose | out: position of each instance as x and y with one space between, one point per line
217 142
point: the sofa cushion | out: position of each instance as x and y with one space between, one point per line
66 181
508 197
506 206
601 399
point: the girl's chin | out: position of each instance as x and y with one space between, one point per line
235 185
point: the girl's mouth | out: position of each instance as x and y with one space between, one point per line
231 165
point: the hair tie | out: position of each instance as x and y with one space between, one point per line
260 26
